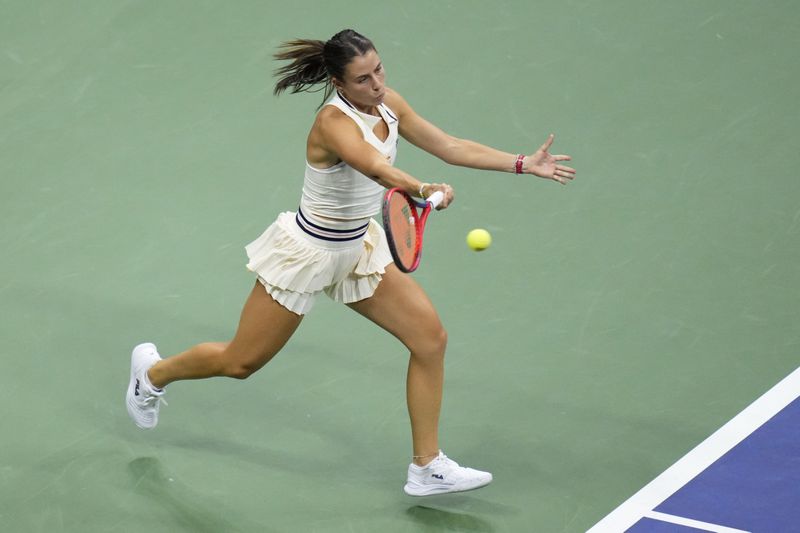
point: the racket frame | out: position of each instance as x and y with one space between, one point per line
419 226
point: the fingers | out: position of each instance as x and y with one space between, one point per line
564 168
449 194
546 146
563 175
565 172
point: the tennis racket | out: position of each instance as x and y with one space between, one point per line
404 224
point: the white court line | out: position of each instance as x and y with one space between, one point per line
705 526
702 456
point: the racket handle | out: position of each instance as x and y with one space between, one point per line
435 199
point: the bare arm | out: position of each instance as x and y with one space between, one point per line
340 136
466 153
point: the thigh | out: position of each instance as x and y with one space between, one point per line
264 328
401 307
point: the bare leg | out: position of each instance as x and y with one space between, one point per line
402 308
264 328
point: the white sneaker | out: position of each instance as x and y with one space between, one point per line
443 475
142 399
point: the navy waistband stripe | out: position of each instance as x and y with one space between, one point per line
322 228
329 234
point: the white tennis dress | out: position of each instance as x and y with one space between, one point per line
331 243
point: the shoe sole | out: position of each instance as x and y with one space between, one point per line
431 490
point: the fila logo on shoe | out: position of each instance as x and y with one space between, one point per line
136 390
438 476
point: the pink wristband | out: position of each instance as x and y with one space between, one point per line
518 164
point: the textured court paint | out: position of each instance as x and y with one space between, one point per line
744 474
648 525
613 324
760 475
705 526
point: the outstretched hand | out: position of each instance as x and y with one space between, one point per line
545 165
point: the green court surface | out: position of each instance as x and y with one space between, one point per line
613 324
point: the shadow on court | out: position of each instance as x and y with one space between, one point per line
438 519
184 506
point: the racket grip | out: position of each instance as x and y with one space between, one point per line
435 199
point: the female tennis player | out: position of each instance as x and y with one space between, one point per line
332 245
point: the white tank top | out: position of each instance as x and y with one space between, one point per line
337 202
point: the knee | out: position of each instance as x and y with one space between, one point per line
431 345
440 340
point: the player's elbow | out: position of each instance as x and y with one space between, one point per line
452 151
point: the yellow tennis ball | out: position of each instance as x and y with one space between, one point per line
479 239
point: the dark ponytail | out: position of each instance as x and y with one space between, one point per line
306 69
314 62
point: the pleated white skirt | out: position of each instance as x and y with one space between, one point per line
295 267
